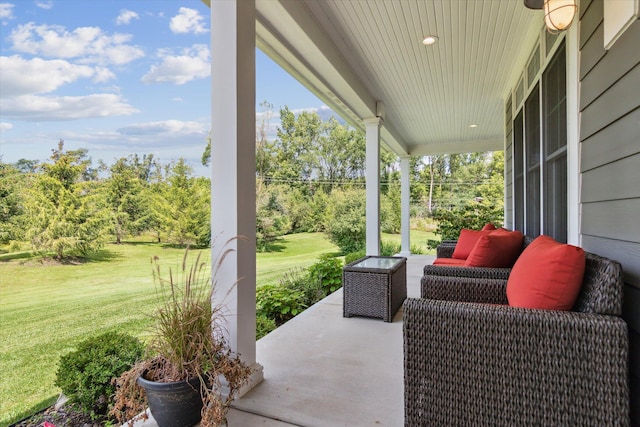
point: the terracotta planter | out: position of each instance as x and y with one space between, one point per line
176 404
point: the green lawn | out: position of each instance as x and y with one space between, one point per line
418 239
46 309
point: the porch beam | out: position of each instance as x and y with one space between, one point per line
405 198
233 187
372 175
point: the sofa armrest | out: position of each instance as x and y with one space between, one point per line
458 271
464 289
479 364
445 250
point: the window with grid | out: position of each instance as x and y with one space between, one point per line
540 155
554 110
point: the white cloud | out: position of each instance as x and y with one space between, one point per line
6 11
188 21
174 127
126 16
32 76
4 126
44 4
88 44
194 63
102 75
50 108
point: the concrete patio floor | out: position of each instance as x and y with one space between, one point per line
324 370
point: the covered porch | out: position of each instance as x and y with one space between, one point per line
494 80
322 369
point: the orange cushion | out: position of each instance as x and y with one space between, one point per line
448 261
548 275
488 226
466 242
496 249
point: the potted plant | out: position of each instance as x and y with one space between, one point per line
188 361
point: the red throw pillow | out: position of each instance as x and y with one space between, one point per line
466 242
496 249
488 226
448 261
548 275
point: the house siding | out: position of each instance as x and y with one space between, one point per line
508 167
610 162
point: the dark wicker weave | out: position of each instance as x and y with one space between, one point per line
479 272
446 248
471 364
374 292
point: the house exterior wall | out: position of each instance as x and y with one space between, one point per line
508 167
610 161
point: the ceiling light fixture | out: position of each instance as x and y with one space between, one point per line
473 126
429 40
559 14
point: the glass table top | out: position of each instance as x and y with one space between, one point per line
376 262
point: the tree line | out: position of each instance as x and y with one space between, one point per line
310 177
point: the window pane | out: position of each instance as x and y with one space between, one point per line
518 171
533 202
555 147
532 128
555 203
555 104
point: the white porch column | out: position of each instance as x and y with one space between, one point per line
405 198
373 184
574 210
233 185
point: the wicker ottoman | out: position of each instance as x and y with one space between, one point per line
374 286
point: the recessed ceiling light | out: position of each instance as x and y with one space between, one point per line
429 40
473 126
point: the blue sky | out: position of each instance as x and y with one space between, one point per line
116 77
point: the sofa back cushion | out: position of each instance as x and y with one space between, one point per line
466 242
548 275
497 249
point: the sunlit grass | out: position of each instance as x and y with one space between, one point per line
47 308
418 239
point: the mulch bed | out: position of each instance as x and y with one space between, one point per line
65 416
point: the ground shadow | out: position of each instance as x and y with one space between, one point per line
276 245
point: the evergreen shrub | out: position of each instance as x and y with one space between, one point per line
85 374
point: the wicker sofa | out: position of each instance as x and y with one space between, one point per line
445 250
467 363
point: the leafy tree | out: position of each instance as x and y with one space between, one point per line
347 223
307 213
12 181
293 150
473 215
339 154
182 206
126 199
272 220
64 213
390 209
27 166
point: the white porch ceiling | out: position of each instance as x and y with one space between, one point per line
353 53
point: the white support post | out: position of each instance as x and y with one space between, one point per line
233 186
405 198
373 184
573 137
